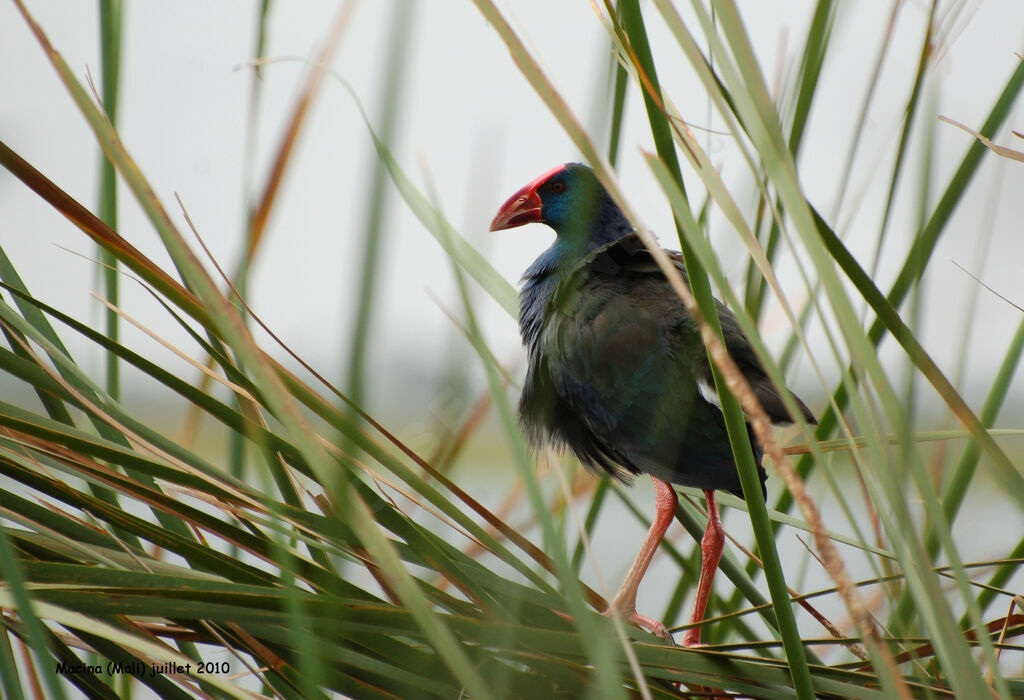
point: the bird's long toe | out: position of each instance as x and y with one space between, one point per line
655 627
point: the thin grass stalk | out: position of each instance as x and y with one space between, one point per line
982 252
236 442
914 309
819 34
862 116
590 520
621 86
255 94
374 231
258 212
913 102
301 632
111 15
620 79
1014 560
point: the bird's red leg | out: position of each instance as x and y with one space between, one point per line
711 546
624 602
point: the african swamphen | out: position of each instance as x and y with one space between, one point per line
617 369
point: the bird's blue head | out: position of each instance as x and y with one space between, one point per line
570 200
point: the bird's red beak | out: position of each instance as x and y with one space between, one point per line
521 208
524 206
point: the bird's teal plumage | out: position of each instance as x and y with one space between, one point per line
616 363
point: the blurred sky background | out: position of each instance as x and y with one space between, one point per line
473 131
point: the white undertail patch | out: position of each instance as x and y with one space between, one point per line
708 392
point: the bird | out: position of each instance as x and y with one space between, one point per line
617 372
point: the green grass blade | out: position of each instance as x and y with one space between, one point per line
819 34
913 103
374 238
9 677
20 601
111 15
815 50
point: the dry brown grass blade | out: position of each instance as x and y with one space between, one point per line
241 391
142 493
1014 603
261 212
28 664
1004 151
450 447
102 234
1012 624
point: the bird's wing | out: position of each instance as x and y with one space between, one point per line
627 297
623 354
742 352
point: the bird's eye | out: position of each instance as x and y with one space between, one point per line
557 187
